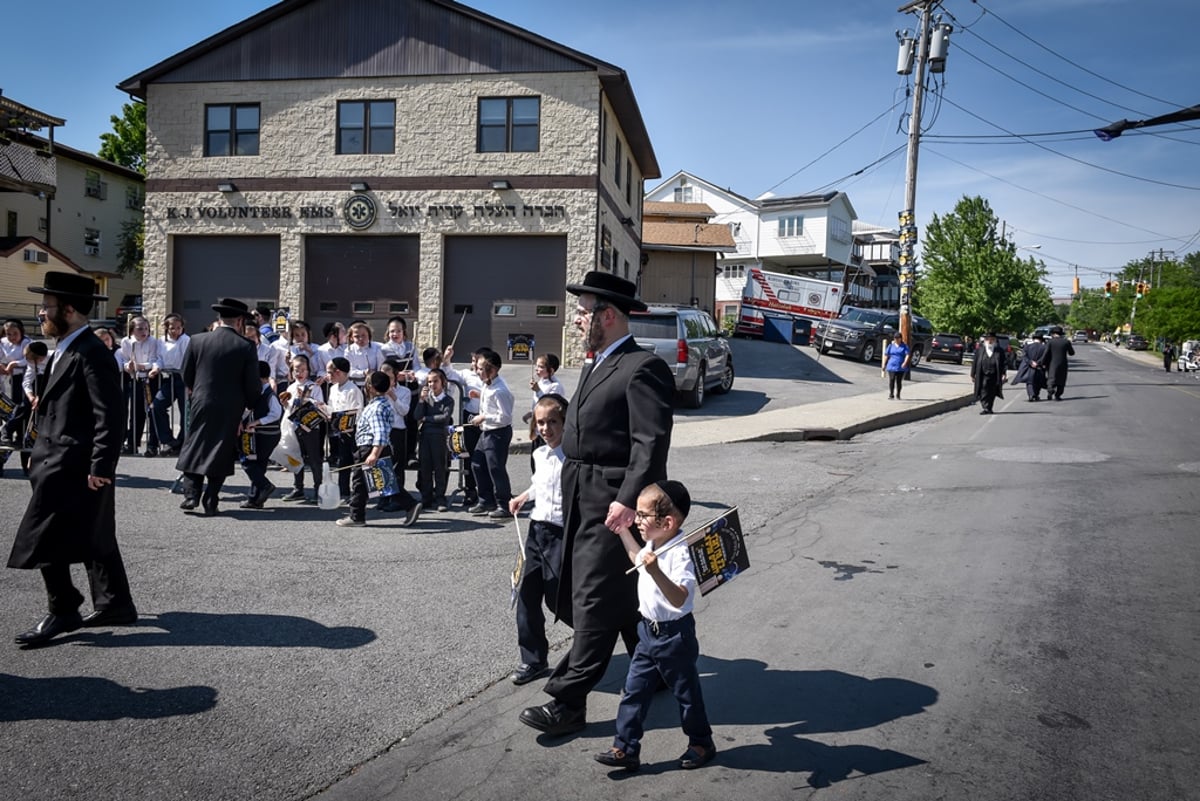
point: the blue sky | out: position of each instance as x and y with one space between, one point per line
751 95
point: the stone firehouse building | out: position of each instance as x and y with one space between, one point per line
358 160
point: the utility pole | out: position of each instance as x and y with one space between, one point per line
908 220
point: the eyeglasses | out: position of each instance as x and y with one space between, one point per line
639 515
582 312
45 307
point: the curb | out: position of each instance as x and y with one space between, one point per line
834 433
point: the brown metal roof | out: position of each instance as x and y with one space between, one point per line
664 208
686 235
308 39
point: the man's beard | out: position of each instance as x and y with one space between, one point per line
594 336
990 349
55 325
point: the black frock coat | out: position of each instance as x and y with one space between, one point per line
988 372
220 371
615 443
1057 351
80 421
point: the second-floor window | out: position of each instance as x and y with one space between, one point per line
93 186
231 130
629 181
133 198
791 226
839 229
683 194
617 161
91 241
366 126
509 124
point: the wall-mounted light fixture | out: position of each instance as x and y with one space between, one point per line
226 187
501 184
359 186
626 221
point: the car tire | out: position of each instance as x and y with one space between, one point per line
868 352
960 359
915 359
726 379
695 398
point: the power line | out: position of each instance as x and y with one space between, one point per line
835 147
1057 55
1073 158
1160 236
861 170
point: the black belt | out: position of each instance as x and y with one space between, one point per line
663 628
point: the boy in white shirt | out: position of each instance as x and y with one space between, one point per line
543 542
667 645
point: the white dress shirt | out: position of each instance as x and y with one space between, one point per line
496 405
545 488
677 565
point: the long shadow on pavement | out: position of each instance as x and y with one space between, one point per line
233 631
789 704
86 698
757 359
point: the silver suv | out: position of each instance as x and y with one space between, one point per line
691 344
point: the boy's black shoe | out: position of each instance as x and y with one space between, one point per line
527 673
295 495
554 719
616 758
693 759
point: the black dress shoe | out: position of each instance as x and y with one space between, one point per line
118 616
50 626
554 720
616 758
527 673
210 508
188 503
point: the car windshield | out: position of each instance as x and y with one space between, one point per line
653 326
862 315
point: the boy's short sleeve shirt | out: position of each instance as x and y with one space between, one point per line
677 565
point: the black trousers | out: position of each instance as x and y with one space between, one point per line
358 484
138 412
401 500
895 382
489 461
194 487
312 451
539 582
341 453
106 578
584 665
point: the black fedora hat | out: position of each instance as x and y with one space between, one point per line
611 289
68 285
230 307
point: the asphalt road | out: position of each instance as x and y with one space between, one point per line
966 607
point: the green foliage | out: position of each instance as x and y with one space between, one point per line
1170 310
972 279
126 145
131 246
1091 311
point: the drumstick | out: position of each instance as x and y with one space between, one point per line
668 547
347 467
461 320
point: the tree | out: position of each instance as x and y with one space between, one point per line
973 281
126 146
1091 311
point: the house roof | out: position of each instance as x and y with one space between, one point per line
714 237
11 244
18 115
661 208
392 37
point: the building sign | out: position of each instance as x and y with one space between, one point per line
360 212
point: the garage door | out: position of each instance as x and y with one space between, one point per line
367 278
502 285
211 267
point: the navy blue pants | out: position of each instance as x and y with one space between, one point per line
670 650
539 582
489 462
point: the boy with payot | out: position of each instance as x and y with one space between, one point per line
668 646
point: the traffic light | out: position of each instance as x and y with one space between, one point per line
1108 289
1140 287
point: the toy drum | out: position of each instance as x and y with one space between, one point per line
458 442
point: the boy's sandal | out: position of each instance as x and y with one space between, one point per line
692 758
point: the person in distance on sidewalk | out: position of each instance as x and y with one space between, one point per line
896 357
988 370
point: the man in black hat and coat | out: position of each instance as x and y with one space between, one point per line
988 370
1032 371
80 422
1057 351
615 442
220 372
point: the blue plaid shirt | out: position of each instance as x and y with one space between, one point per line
374 423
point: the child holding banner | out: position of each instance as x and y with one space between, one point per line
667 646
372 440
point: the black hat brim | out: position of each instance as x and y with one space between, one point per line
622 302
61 293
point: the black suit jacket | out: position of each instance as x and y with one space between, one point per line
80 423
220 371
615 442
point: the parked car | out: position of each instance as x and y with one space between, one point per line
1044 330
863 333
1137 342
947 347
691 344
130 304
1080 336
